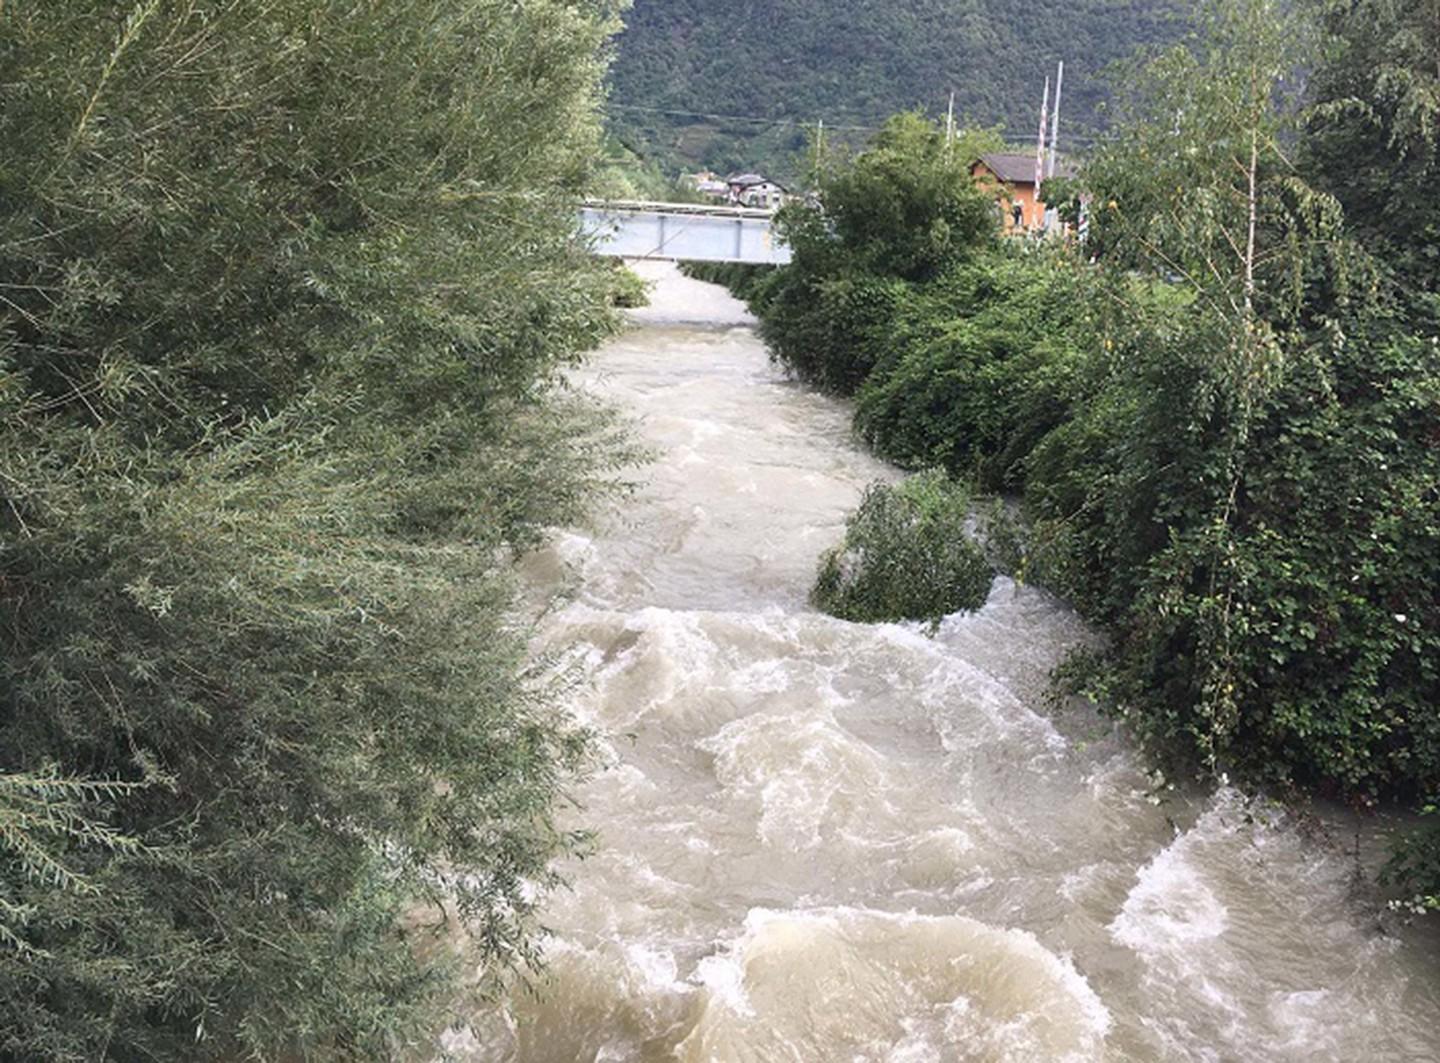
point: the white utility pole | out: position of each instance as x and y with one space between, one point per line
950 124
1055 120
1040 142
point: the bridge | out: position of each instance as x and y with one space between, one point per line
692 231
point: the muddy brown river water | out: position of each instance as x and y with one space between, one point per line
828 841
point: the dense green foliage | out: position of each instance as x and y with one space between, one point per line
1374 126
1256 512
623 174
978 367
284 286
1373 140
905 556
628 288
904 211
853 63
1226 433
1415 867
745 280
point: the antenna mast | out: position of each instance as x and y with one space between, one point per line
950 124
1040 141
1055 120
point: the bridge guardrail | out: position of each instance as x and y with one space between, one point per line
682 231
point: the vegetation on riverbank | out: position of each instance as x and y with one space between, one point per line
1226 429
284 289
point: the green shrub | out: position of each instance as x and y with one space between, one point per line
906 207
1370 139
627 288
830 331
746 280
905 556
903 213
1415 866
978 369
1299 638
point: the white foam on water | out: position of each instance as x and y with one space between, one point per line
1306 1019
1170 909
941 860
797 766
1292 975
1174 920
954 683
769 676
1118 780
676 663
656 966
632 781
853 983
723 977
1076 884
1019 625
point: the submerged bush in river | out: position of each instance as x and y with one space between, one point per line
905 556
628 289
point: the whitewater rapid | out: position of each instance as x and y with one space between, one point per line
828 841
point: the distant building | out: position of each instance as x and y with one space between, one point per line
1016 173
708 184
753 190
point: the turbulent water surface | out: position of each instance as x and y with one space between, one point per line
831 841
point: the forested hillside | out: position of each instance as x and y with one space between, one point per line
852 62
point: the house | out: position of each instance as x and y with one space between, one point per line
708 184
753 190
1015 171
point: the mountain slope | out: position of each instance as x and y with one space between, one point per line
778 66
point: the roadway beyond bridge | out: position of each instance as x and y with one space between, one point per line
682 231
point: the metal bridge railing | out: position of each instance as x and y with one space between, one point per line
682 231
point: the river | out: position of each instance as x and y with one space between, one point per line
828 841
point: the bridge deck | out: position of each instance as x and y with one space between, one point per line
693 231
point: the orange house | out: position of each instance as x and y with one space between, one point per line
1014 173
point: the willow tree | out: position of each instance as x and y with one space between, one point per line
284 286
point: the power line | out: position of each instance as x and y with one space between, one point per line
1077 138
756 119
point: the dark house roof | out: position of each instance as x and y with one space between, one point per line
1015 168
749 180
